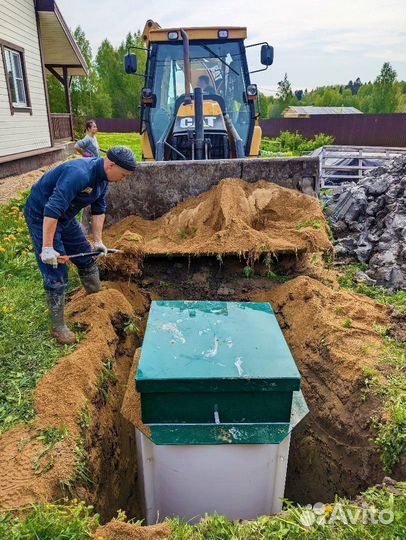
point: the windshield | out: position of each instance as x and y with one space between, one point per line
216 67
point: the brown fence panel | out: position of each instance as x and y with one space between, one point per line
351 129
118 125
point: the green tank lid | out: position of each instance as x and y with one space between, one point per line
215 347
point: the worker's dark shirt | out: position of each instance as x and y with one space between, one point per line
64 191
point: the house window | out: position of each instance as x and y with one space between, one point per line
16 77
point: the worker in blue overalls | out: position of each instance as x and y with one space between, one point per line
51 211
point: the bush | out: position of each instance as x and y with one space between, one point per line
295 143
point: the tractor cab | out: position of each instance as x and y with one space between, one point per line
198 101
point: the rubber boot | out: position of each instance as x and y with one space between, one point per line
90 279
56 303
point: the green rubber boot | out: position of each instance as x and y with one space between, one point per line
90 278
56 303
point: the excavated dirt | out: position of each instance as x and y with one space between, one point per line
331 447
117 530
235 217
59 399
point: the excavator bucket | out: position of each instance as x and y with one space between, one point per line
157 187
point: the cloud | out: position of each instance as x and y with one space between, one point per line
316 41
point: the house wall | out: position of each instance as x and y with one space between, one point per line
22 132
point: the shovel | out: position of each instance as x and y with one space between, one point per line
66 258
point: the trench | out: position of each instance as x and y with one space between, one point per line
325 460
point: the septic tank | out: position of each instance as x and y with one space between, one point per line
220 395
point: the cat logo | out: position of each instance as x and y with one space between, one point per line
88 190
189 122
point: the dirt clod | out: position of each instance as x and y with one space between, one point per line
118 530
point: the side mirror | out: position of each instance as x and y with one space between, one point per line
266 55
130 63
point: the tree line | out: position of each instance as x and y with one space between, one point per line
385 95
108 92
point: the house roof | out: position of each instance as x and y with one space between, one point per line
311 110
58 45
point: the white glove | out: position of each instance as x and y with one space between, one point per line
100 247
50 256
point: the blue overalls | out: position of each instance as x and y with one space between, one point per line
60 194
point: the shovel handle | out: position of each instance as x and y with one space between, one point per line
63 259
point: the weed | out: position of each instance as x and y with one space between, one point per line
381 329
130 327
85 418
187 232
347 323
106 378
314 223
49 438
274 276
248 271
339 310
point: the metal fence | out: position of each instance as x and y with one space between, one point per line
349 129
342 165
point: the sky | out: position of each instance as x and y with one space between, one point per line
317 42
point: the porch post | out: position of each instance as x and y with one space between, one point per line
66 84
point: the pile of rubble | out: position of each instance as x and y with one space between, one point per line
369 222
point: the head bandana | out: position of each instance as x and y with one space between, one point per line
123 157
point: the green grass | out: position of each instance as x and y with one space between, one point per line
379 294
313 223
76 521
27 350
132 140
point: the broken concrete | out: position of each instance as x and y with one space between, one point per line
369 221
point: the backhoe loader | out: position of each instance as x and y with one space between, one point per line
199 121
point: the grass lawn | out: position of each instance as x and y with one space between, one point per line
132 140
341 520
27 349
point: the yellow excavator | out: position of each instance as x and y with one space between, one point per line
198 102
199 122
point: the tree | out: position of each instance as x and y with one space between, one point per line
284 91
385 93
299 94
83 89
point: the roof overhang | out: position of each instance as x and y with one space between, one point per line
59 47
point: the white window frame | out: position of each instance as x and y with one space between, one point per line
11 57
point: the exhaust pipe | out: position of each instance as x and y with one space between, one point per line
199 127
186 65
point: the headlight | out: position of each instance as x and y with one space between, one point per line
223 34
173 35
252 90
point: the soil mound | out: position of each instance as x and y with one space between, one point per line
332 338
29 471
233 218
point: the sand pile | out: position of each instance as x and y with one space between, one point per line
332 338
59 398
118 530
235 217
